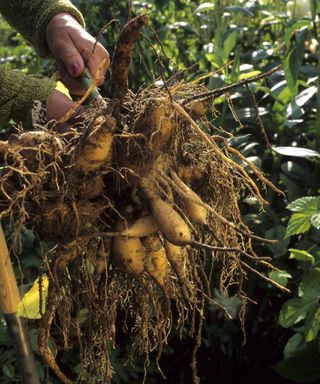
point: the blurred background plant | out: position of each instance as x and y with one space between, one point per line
230 40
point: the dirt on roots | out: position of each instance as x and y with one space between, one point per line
131 157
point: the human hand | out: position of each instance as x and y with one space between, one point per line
72 47
58 104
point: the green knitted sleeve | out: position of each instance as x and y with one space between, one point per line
18 91
30 18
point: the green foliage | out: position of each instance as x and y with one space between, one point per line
306 213
305 306
7 357
253 36
17 53
302 313
280 277
301 369
293 60
300 255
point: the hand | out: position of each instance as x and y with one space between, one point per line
58 105
72 47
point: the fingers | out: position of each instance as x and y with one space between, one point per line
94 61
93 55
72 83
97 63
61 45
66 52
74 48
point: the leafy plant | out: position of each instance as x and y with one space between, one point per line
301 314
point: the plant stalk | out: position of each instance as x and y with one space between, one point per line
9 301
26 362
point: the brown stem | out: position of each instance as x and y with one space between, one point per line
122 56
64 255
222 90
4 147
256 110
265 277
263 259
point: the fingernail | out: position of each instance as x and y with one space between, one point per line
75 69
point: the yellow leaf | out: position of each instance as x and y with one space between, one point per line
63 89
29 305
59 85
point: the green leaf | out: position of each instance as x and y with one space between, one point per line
310 204
204 7
250 113
312 325
280 277
307 212
299 308
277 232
300 100
315 220
293 311
238 140
301 255
292 122
294 170
229 44
314 4
304 368
292 62
33 337
310 285
298 223
52 346
282 97
296 151
298 9
294 345
294 189
235 8
8 370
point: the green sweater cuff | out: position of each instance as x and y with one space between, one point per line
31 17
18 93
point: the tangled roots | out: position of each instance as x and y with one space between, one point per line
142 207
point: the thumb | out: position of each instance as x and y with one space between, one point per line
57 105
71 58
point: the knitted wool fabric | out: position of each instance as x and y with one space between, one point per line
31 17
17 93
18 90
